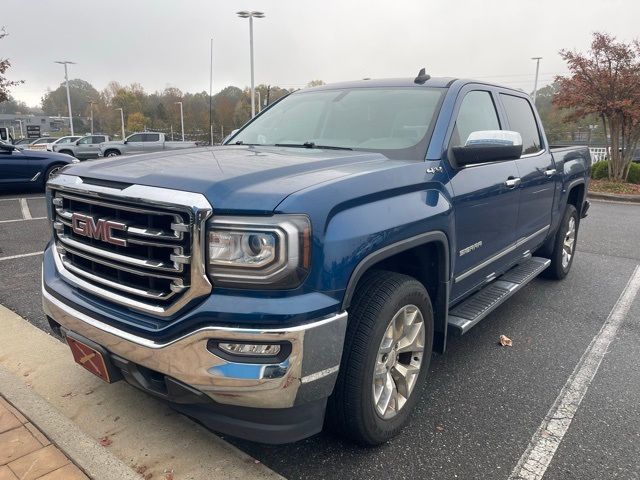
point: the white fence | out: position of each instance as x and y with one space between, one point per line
598 153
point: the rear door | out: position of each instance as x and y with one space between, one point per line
152 142
536 170
485 207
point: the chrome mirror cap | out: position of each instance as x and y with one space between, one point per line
494 137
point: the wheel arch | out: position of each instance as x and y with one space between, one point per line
425 257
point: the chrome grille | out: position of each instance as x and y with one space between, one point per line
151 268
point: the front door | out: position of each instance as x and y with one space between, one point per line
135 144
536 169
485 205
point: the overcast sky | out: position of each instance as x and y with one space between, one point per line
160 43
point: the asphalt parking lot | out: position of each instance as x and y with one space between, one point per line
483 403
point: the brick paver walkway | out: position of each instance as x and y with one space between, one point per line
26 454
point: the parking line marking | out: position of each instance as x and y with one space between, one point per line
543 445
22 219
17 198
22 255
24 206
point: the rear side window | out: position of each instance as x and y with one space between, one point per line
522 120
98 139
151 137
477 112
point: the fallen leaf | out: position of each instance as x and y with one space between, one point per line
117 418
505 341
105 441
141 469
440 427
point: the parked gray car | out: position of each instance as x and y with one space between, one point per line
143 142
84 148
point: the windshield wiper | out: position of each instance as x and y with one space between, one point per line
311 145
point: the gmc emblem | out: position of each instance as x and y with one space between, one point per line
86 226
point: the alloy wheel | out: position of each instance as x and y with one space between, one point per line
398 361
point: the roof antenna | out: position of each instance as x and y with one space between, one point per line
422 77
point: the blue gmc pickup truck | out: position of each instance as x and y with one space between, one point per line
303 273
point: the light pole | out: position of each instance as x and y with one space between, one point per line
259 101
21 133
66 79
122 120
91 104
251 15
210 88
181 119
535 84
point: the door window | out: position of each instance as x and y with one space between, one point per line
138 137
151 137
98 139
522 120
84 141
477 112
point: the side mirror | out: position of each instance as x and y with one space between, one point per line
488 146
125 141
77 142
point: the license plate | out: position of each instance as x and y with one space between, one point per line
89 358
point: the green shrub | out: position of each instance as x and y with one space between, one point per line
634 174
600 170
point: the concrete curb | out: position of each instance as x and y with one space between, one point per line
614 197
95 460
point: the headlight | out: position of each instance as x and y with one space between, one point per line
273 252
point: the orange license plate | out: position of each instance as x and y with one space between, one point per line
89 358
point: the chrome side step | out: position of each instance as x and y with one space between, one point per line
466 314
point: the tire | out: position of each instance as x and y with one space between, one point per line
51 171
352 409
67 152
560 264
111 153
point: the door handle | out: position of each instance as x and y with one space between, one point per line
550 173
512 182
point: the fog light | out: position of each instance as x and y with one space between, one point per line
267 350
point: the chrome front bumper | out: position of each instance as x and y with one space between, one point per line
307 374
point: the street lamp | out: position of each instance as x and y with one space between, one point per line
535 84
66 79
181 119
91 104
122 120
251 16
259 101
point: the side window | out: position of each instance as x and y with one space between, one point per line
522 120
151 137
99 139
138 137
477 112
84 141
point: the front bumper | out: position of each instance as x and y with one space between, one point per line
307 374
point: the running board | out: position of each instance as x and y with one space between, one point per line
465 315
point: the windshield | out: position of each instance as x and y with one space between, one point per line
394 121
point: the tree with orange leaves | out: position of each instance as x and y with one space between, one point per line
606 81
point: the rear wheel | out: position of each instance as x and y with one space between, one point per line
386 357
564 246
111 153
66 152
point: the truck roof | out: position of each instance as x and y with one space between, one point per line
438 82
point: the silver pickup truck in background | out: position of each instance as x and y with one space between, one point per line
84 148
143 142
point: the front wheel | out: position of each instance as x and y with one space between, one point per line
51 172
386 357
564 246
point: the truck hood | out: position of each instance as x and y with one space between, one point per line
235 178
